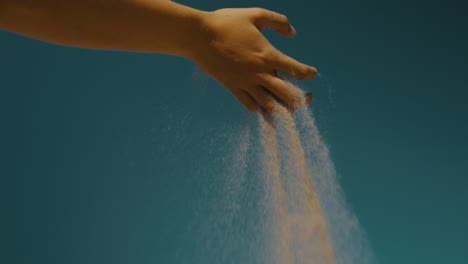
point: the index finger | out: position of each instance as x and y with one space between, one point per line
292 68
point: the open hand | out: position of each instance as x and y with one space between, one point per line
235 52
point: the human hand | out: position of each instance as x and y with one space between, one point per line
233 51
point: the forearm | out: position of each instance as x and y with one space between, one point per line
159 26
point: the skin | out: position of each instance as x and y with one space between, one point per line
227 44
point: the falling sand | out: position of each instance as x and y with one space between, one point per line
302 226
305 231
301 215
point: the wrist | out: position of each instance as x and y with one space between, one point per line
196 35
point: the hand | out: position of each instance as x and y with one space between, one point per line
235 52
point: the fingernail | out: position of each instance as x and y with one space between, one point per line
291 28
309 97
314 71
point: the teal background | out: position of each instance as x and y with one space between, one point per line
105 155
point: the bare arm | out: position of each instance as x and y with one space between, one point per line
227 44
158 26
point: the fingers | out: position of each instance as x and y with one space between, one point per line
282 90
268 19
246 100
292 67
263 98
260 100
309 98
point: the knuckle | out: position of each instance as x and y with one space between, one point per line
299 75
304 69
269 54
302 72
261 78
258 11
284 19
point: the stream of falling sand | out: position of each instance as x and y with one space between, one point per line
303 217
271 161
312 221
348 238
303 234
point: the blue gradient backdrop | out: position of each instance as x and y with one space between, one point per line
104 154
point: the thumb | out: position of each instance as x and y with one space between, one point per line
272 20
